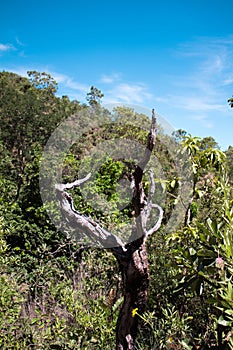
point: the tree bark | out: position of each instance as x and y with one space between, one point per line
135 273
132 257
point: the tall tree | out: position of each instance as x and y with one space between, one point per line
94 96
29 112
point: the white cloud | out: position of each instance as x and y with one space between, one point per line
195 103
9 47
116 90
6 47
228 81
69 82
20 71
19 42
109 79
128 93
203 121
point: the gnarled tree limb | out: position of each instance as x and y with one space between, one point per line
150 205
96 233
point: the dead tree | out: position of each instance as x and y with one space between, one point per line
132 257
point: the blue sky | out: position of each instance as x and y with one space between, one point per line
174 55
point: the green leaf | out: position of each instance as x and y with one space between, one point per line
173 183
192 251
117 304
223 322
206 253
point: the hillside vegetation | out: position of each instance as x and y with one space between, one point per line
56 292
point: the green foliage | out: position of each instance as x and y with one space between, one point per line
10 308
57 294
203 249
169 331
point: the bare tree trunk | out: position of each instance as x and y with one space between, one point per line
134 263
132 257
135 273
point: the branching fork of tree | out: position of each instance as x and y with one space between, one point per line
132 257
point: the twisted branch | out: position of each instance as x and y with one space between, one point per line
149 206
92 229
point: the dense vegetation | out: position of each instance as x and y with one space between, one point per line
58 294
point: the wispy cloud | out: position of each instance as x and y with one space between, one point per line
115 89
228 81
6 47
203 120
196 103
19 42
69 82
110 79
129 93
213 64
205 81
17 47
